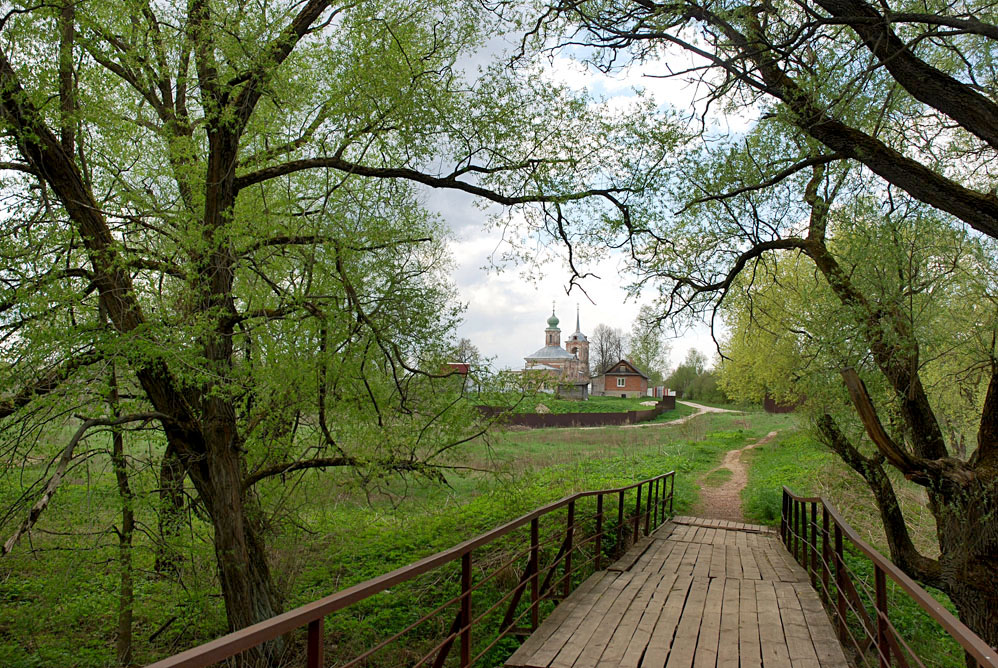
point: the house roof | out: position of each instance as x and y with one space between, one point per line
630 370
550 353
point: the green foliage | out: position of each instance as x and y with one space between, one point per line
793 459
335 530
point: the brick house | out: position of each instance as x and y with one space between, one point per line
622 379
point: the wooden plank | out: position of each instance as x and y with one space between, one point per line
826 642
591 637
765 568
690 558
657 560
716 569
799 643
701 569
665 531
732 562
742 541
727 644
626 625
682 533
626 562
685 643
578 611
781 571
676 556
750 569
587 591
771 639
646 625
749 649
662 636
710 625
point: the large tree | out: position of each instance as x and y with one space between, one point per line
646 346
606 347
886 104
224 201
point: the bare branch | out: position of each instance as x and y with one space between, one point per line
60 471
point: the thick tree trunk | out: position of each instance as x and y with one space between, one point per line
968 540
247 586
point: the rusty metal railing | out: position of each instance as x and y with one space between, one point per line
863 613
558 546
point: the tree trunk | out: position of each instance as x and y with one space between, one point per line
171 511
968 540
126 592
247 586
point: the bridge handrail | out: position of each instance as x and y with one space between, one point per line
312 614
825 546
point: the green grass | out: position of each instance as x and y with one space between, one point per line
59 593
793 459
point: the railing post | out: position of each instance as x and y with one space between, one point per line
883 646
840 603
826 562
783 520
620 521
654 520
672 491
569 547
814 544
466 609
648 511
599 530
314 647
637 516
796 529
535 562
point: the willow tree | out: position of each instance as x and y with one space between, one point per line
842 99
225 201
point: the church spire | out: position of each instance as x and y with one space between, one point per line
577 327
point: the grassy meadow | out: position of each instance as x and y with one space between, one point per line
327 531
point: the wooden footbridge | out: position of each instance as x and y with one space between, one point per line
695 593
606 578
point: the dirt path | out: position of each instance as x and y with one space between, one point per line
724 502
701 409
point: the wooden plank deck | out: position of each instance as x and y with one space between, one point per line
697 593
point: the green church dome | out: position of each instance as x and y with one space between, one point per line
553 320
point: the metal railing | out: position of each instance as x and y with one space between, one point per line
558 546
862 613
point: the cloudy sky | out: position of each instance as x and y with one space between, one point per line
506 312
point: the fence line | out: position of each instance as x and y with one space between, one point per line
549 575
821 551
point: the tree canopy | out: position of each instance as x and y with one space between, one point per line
216 210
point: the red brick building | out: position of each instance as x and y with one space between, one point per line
622 379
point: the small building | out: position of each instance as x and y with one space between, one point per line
461 373
622 379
